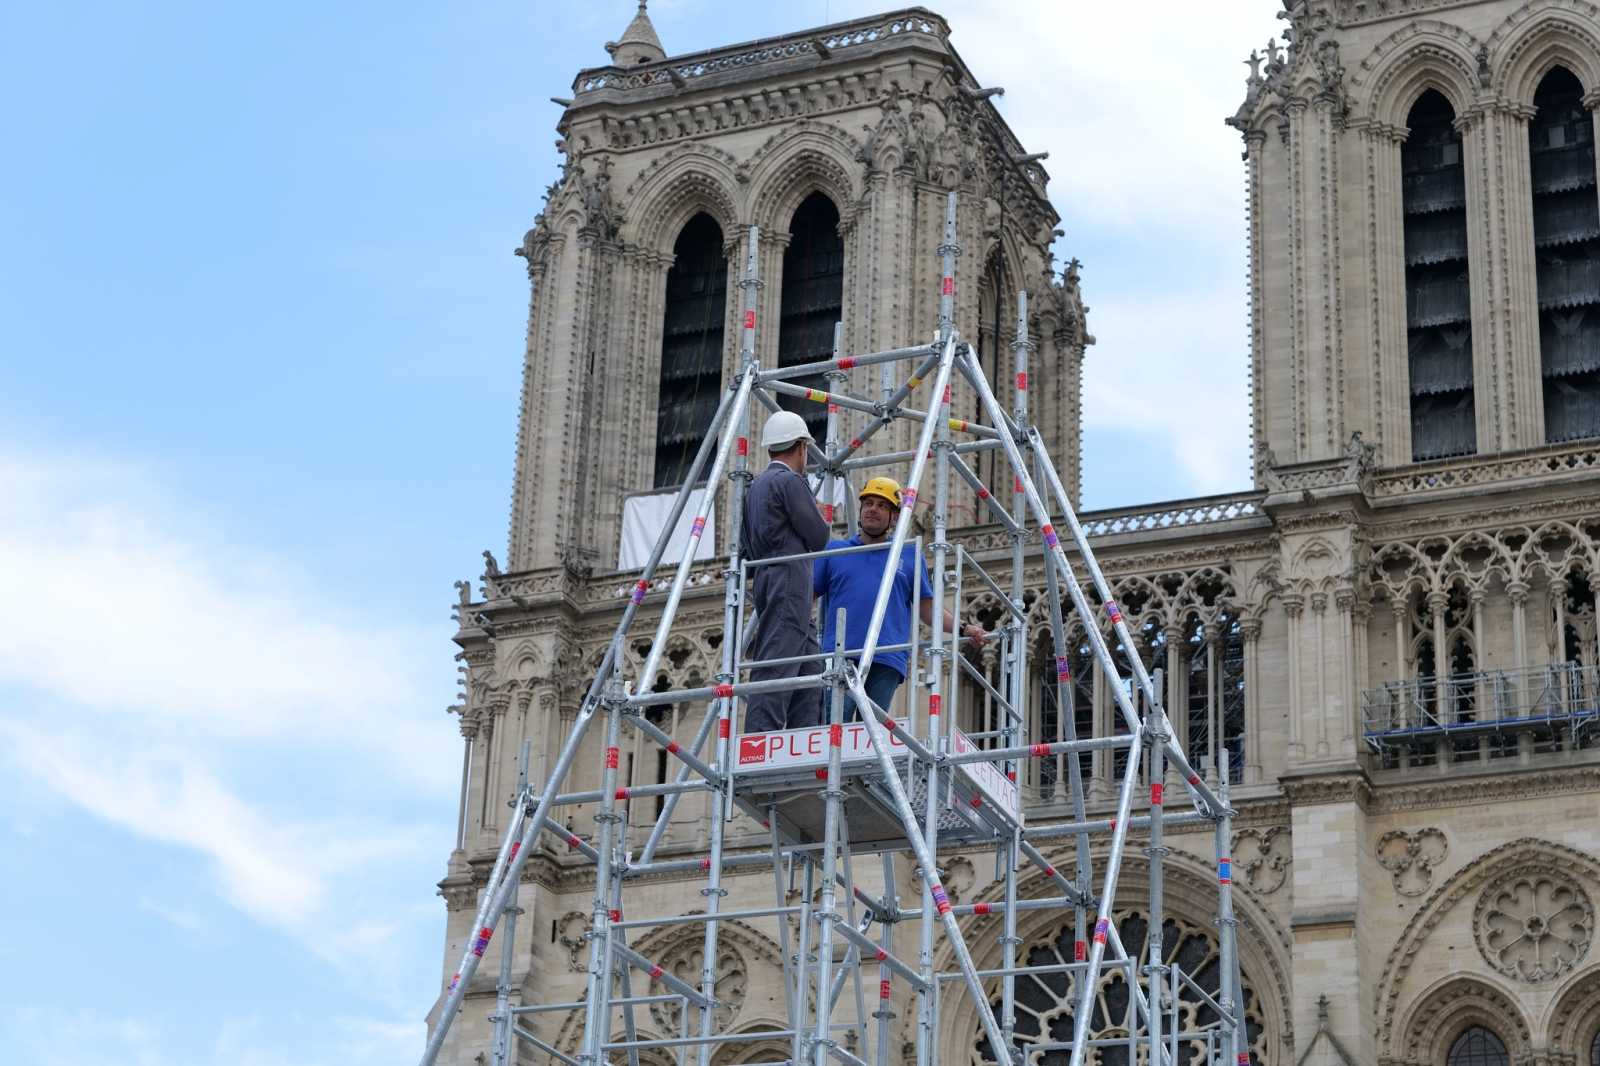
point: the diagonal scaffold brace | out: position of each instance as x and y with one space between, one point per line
912 766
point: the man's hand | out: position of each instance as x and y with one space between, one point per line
975 634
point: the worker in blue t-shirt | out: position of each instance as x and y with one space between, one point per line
851 582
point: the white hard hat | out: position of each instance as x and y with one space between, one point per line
782 430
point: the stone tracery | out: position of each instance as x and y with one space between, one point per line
1534 925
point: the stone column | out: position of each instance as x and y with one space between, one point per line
1517 592
1214 732
494 776
1294 605
1594 661
1177 703
1509 340
1438 600
1345 601
1250 630
1361 615
1319 610
469 732
1391 399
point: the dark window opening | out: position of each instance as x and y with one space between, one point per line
813 300
691 348
1477 1047
1566 237
1438 295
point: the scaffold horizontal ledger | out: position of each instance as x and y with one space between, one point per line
881 786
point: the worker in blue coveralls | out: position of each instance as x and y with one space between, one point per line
851 582
781 518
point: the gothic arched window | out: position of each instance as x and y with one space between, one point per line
691 347
1079 692
1213 669
1438 298
1477 1047
1566 238
1594 1051
813 299
1046 1002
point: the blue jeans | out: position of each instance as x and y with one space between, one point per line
881 684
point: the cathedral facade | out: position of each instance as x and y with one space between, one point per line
1388 641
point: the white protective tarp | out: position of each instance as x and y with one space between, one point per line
644 516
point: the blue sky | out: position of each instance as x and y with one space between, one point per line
260 343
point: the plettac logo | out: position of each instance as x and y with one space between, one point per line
752 749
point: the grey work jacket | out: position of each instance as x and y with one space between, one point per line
781 518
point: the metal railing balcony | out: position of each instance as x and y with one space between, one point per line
1560 695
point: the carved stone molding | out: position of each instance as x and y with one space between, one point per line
572 931
1515 786
1318 790
1261 858
1505 860
685 962
1533 923
1410 858
458 895
959 877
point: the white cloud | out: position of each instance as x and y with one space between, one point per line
1184 349
57 1036
113 601
1130 106
80 1036
190 689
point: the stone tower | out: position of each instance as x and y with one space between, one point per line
1392 636
840 144
1404 226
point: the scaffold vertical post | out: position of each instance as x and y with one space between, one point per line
832 795
1156 854
722 792
1235 1040
500 1037
831 479
597 1017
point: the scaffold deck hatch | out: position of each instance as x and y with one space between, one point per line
911 785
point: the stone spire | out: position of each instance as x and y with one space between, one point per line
639 42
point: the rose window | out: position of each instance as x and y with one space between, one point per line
1045 1002
1534 926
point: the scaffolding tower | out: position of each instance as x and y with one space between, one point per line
889 785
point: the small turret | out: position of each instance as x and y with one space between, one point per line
639 43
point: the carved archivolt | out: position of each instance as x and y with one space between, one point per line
1423 54
1575 1023
674 188
1455 1005
1541 35
1534 924
679 949
805 157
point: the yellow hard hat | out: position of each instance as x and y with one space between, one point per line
885 488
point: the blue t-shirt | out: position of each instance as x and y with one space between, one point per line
851 581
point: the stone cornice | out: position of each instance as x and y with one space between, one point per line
1314 788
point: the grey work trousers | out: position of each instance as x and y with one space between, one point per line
766 711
